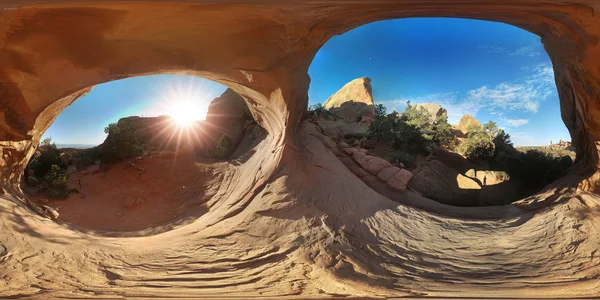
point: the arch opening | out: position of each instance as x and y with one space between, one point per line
139 153
473 113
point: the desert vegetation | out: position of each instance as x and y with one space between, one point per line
49 170
483 154
124 140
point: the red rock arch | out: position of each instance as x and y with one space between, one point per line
52 51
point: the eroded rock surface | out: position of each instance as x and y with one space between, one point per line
357 91
437 181
265 233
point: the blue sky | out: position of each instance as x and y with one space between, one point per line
490 70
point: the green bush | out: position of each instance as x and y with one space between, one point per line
535 169
410 139
318 110
86 158
49 156
58 191
400 131
56 182
224 147
123 141
487 143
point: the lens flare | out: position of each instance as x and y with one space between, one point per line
184 112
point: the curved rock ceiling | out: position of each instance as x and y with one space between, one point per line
292 220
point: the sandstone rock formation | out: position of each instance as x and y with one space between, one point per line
435 110
358 91
264 233
353 110
451 159
466 122
227 115
437 181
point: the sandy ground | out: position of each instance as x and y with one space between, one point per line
168 183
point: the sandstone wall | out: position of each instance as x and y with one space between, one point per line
275 227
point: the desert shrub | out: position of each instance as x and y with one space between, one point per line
124 141
442 133
486 143
49 156
438 131
224 147
397 130
417 116
56 182
409 160
536 169
86 158
502 176
380 110
410 139
383 128
479 149
46 142
318 110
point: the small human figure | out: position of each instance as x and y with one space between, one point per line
79 183
484 180
397 163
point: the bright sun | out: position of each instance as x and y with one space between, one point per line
184 101
185 113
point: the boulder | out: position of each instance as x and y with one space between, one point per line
354 167
386 173
371 163
339 128
400 180
466 122
353 150
326 141
331 129
435 110
226 115
439 182
51 212
451 159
